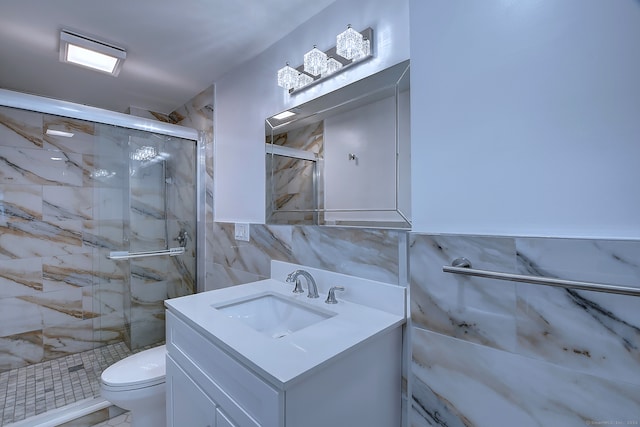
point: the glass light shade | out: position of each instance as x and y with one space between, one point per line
303 80
287 77
366 47
349 43
315 61
364 51
333 65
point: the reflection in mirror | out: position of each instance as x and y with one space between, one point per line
343 159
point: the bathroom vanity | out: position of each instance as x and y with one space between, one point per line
260 355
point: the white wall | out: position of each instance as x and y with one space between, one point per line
526 117
246 96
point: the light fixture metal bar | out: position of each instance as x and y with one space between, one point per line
346 63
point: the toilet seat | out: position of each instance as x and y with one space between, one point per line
144 369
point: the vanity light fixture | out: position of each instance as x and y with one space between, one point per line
86 52
352 47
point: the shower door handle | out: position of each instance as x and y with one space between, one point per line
119 255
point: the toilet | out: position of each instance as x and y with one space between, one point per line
137 384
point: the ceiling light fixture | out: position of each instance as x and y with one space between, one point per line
96 55
284 115
352 47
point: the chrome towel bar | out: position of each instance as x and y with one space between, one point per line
119 255
463 266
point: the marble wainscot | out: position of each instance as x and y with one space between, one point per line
367 253
488 352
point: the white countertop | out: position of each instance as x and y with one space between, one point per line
282 361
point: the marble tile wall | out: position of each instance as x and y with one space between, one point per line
62 209
489 352
368 253
197 114
52 236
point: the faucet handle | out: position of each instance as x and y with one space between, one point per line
331 297
290 276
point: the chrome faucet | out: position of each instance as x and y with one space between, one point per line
311 283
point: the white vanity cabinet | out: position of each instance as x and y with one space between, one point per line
209 385
201 372
189 405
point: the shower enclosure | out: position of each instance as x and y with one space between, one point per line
98 226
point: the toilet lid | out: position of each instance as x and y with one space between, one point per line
141 369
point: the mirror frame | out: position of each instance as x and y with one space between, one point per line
309 158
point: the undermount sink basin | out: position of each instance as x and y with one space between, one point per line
273 315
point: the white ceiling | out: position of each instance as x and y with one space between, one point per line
175 48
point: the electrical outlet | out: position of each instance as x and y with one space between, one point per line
242 232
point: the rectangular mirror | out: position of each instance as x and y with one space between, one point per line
343 159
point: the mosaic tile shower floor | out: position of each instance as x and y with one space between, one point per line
34 389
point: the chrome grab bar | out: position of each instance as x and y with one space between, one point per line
119 255
463 266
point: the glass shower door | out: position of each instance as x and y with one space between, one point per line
73 191
150 206
162 216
